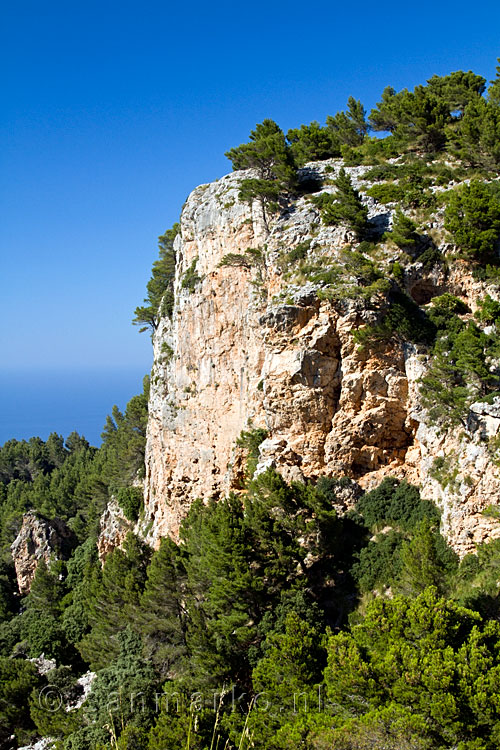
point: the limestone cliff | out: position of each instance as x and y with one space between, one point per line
252 345
113 528
38 539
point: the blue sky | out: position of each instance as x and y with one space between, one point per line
113 112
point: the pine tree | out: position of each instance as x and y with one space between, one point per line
349 128
494 89
312 143
113 598
160 287
477 140
472 216
124 441
224 591
428 653
41 626
162 617
426 560
287 676
457 89
417 119
386 115
346 206
17 680
268 153
403 231
271 156
123 692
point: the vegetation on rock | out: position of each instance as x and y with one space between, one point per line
160 288
275 622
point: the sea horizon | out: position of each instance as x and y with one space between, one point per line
35 403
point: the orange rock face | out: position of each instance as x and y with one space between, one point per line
38 539
250 346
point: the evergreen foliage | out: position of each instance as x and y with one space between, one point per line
349 128
130 501
395 503
494 89
313 143
345 207
191 277
112 598
473 218
123 692
160 287
378 563
40 626
250 441
269 154
488 311
162 614
244 600
447 675
402 319
417 119
403 231
17 679
124 441
461 370
477 139
425 561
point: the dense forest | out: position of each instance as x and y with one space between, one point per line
276 623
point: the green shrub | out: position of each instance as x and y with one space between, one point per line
430 257
397 271
253 257
488 311
166 351
401 318
250 441
191 277
395 503
130 500
312 143
389 192
299 252
487 273
354 276
378 563
381 172
444 470
17 680
460 370
448 305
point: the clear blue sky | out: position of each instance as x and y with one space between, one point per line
112 112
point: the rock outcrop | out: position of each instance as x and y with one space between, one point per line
47 743
248 346
38 539
113 528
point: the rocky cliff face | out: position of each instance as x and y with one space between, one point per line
38 539
251 345
113 529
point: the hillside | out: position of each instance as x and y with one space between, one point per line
291 538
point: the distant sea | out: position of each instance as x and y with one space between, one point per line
36 403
